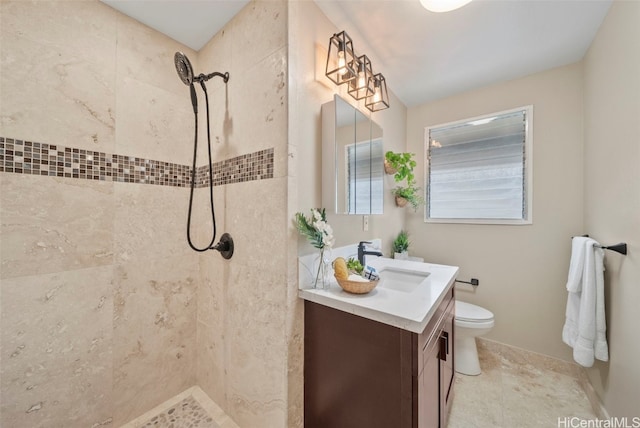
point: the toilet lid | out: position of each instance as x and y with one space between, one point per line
468 312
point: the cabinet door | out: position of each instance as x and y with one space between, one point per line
446 363
429 386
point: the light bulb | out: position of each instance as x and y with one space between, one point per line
361 82
342 69
376 95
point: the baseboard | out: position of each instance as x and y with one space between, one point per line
588 389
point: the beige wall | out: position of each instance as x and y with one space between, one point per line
309 35
522 269
612 194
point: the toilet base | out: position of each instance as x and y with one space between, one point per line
466 360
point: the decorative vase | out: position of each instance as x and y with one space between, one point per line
401 256
322 281
400 201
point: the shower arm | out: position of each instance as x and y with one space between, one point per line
204 77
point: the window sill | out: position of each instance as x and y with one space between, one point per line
505 222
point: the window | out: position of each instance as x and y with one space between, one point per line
365 175
479 170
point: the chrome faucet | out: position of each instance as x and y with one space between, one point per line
362 251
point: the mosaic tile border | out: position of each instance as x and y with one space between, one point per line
27 157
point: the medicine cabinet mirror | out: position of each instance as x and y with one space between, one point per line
352 160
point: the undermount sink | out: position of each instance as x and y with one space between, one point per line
404 280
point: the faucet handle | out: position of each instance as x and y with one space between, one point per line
362 243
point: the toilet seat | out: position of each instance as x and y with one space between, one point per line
470 313
474 324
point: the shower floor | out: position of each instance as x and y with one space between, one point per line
189 409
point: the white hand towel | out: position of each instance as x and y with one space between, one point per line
576 265
601 348
585 326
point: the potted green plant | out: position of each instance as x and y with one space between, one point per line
401 246
354 266
403 165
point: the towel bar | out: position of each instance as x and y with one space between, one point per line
618 248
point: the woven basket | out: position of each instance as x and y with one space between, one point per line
388 168
357 287
400 201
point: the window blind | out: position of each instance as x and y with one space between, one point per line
477 169
365 175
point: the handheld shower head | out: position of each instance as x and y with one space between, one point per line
185 72
183 67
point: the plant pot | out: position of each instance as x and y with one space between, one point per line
401 202
388 169
401 256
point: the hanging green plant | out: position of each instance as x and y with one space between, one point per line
409 195
403 165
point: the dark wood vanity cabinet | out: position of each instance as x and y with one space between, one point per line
360 373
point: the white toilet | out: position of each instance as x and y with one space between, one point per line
471 321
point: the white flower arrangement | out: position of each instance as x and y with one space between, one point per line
316 228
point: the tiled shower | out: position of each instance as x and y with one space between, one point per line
105 310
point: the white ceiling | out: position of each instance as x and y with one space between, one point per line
191 22
423 55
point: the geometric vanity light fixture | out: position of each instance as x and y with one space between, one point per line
344 66
379 100
340 59
362 86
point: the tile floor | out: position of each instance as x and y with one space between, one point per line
189 409
517 389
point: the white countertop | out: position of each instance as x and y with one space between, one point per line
406 310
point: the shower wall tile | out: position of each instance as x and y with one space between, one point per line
242 303
56 342
217 55
249 112
51 224
154 333
34 158
149 223
262 88
294 323
104 83
213 287
61 84
256 390
77 25
257 31
212 363
154 123
248 167
242 310
147 55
